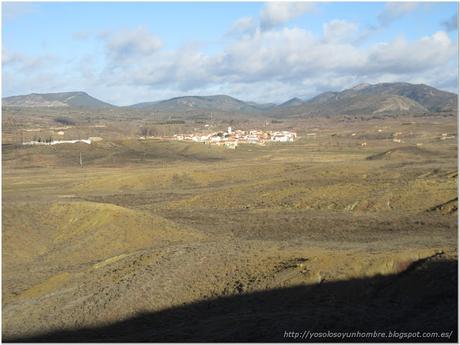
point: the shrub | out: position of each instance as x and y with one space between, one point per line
64 121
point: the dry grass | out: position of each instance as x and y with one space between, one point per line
150 225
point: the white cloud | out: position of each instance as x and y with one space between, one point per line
126 44
276 13
269 65
261 65
401 56
287 54
27 64
340 31
242 26
10 58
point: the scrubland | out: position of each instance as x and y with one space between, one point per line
167 233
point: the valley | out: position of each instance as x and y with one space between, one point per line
153 240
230 172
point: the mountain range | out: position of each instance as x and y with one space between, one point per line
362 99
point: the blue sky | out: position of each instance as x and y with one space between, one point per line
131 52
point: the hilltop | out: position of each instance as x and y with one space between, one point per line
378 99
76 99
215 103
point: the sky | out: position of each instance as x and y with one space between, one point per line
128 52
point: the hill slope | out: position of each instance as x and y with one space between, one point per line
293 102
187 103
427 96
77 99
379 99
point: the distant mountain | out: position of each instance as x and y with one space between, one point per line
362 100
210 103
429 97
379 99
293 102
365 105
77 99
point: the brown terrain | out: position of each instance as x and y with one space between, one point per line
157 240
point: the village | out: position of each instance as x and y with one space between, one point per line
231 138
227 139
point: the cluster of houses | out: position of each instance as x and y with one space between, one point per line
231 138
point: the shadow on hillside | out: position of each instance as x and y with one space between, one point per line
423 298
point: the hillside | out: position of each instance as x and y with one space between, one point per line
187 103
378 99
366 105
429 97
77 99
293 102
